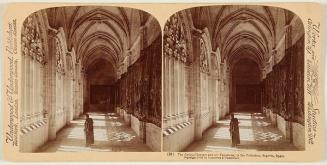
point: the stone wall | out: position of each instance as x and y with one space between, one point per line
282 125
283 94
206 120
33 137
153 132
176 141
153 137
298 135
298 130
138 91
246 96
135 124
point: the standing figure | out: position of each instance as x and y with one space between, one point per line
234 131
88 129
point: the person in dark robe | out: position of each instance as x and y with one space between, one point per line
88 129
234 131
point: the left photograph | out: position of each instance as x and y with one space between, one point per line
91 80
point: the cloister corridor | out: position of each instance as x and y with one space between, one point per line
97 60
256 133
243 60
111 134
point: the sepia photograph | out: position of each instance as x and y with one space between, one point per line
163 82
233 80
91 80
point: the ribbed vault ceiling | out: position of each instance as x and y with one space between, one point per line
242 31
98 32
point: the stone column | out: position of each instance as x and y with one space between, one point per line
50 84
183 95
170 89
178 91
164 92
27 91
195 94
67 93
76 91
85 93
31 90
81 92
228 85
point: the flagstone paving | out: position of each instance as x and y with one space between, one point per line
111 134
256 133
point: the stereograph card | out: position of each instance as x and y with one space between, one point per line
163 82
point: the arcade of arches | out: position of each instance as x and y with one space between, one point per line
104 61
246 60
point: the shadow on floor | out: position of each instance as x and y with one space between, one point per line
256 133
111 134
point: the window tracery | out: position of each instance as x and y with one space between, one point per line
204 65
174 39
31 40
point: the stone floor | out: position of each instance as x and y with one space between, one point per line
110 134
256 133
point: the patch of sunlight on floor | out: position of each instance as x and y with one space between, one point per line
77 122
100 135
76 133
112 117
111 133
240 117
98 123
258 117
115 123
245 123
262 123
268 136
121 136
223 122
256 133
222 133
246 134
97 117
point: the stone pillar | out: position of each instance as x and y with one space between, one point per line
179 90
164 92
183 95
81 92
85 93
221 92
195 94
228 86
31 90
50 84
170 91
76 91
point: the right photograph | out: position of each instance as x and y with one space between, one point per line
233 80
